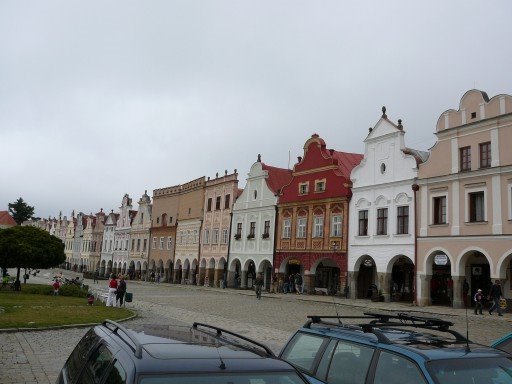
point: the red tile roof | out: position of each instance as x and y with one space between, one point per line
277 177
347 161
6 219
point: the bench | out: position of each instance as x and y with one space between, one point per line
101 294
323 290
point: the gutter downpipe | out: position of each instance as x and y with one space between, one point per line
415 188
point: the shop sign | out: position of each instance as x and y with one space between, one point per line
294 262
441 259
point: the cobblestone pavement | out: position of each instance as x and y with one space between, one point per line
38 356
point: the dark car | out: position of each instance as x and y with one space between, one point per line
157 354
392 349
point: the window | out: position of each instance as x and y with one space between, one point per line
96 366
252 229
382 221
465 159
303 188
209 205
302 350
287 228
320 186
169 243
145 244
217 203
392 368
350 363
161 243
239 229
363 223
79 354
485 155
154 242
476 207
196 236
206 239
301 227
402 220
227 199
141 217
336 225
158 220
215 236
440 210
266 229
225 236
133 245
138 244
318 228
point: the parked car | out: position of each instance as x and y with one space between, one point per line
155 354
505 343
392 349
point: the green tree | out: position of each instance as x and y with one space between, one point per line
20 211
29 247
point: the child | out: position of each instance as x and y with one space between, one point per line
478 301
56 286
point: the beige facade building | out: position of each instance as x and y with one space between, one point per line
140 239
220 194
464 199
190 220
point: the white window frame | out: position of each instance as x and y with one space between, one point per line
336 222
287 228
161 245
225 234
215 239
304 188
169 243
206 239
154 243
433 195
196 236
318 226
321 182
467 192
302 223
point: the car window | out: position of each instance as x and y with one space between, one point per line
349 363
492 370
117 374
396 369
96 366
323 366
505 345
79 355
226 378
302 350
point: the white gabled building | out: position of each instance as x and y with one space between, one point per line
253 224
382 214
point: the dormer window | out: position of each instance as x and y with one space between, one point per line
320 185
303 188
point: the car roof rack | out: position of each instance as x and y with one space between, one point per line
384 320
137 351
220 331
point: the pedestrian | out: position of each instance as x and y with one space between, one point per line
121 290
158 278
112 289
479 297
56 287
465 292
258 284
152 276
291 282
495 295
298 283
96 275
237 280
274 283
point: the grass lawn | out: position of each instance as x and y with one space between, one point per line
25 310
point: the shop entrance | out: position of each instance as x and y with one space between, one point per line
480 279
402 280
366 287
327 277
441 285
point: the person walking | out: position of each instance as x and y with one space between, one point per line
121 290
258 284
96 275
298 283
112 288
479 297
495 295
274 283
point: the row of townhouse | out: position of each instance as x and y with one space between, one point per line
408 224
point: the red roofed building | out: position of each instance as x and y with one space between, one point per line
6 220
312 228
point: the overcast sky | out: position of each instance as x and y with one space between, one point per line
103 98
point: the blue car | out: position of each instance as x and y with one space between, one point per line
158 354
392 349
505 343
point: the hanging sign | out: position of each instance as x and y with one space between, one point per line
441 259
368 263
294 262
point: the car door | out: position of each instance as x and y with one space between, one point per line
78 357
396 369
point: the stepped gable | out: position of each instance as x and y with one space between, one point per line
277 177
6 219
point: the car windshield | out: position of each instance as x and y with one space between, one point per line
474 370
225 378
